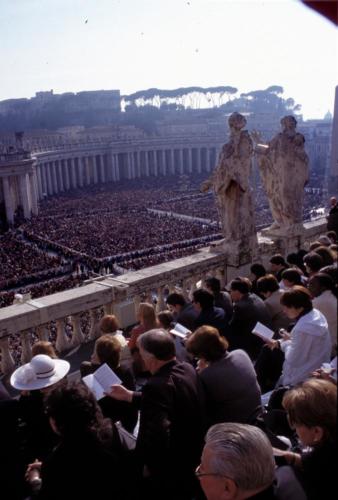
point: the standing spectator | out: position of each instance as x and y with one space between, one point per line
248 309
332 219
183 311
172 419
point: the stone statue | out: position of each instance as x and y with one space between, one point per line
283 165
230 182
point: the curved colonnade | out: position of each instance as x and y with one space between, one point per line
75 166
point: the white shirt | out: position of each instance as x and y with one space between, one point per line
326 303
309 347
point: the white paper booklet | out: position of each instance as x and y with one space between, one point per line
101 381
262 331
180 331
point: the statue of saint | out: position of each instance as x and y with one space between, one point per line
230 182
284 168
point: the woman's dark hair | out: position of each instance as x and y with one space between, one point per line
268 283
75 411
278 259
332 235
207 343
313 261
326 255
258 270
325 282
297 297
165 319
241 285
204 298
214 284
313 403
292 275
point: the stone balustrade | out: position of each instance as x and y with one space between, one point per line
62 314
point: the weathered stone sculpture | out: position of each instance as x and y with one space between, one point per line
283 165
230 181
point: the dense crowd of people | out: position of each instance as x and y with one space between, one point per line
110 226
220 409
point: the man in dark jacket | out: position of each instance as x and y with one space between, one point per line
248 309
183 311
208 314
172 419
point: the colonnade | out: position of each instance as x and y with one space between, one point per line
63 173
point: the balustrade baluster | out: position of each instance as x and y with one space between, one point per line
77 337
94 331
26 348
62 342
7 361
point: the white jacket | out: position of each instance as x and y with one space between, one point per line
309 347
326 303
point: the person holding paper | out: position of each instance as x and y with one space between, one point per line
229 378
308 345
172 419
107 350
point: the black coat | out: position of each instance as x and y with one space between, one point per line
247 311
172 427
213 316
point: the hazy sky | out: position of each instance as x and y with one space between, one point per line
73 45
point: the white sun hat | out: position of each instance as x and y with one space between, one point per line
42 371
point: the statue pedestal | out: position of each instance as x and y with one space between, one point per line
287 239
237 253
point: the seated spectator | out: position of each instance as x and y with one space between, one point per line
166 321
183 311
313 263
268 287
35 379
85 463
325 254
278 265
225 401
221 299
290 278
237 463
110 325
208 314
333 237
248 309
324 240
295 261
314 245
107 350
309 343
147 321
324 293
312 412
44 347
257 271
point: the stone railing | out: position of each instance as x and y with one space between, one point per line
61 314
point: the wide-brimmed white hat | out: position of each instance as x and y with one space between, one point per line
42 371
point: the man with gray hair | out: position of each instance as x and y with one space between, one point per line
172 419
238 463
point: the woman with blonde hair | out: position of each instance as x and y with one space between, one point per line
147 321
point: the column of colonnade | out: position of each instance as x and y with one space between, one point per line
55 176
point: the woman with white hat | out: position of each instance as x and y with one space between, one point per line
35 379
